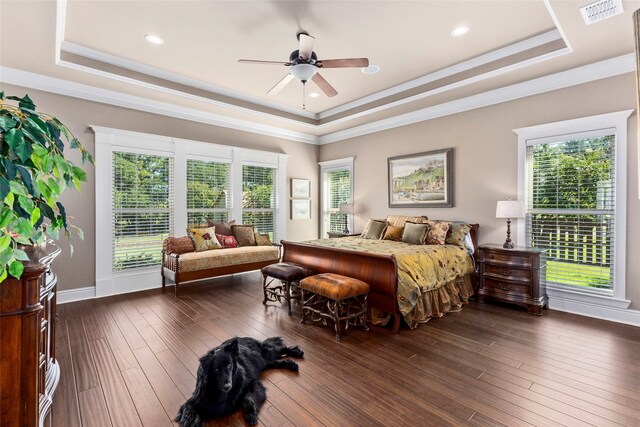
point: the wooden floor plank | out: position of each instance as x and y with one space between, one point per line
122 411
132 360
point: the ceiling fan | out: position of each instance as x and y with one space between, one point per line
304 65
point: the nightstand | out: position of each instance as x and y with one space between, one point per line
338 234
513 275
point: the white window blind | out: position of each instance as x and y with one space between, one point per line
259 201
337 189
571 209
142 209
208 192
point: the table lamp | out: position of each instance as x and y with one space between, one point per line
509 209
346 209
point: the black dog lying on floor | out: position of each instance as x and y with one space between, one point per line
229 378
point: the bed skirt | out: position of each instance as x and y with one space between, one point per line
433 303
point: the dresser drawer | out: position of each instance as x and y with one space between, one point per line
500 257
508 273
488 284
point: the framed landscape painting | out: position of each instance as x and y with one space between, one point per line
300 188
421 180
300 209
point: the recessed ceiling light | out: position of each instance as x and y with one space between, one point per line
371 69
314 95
152 38
460 31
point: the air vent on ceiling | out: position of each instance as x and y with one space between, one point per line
601 10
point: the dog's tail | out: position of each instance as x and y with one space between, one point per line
272 348
188 416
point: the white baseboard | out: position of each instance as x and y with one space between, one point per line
619 315
79 294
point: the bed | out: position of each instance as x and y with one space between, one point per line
414 282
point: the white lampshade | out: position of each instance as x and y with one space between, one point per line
346 208
303 72
510 209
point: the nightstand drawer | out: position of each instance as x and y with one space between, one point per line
523 260
489 284
508 273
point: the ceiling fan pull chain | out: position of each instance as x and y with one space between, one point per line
304 86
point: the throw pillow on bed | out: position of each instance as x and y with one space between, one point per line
244 234
457 233
204 239
227 241
393 233
374 229
262 239
414 233
223 228
436 233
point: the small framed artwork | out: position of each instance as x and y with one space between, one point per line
421 180
300 209
300 188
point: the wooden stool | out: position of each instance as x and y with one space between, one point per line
289 274
335 297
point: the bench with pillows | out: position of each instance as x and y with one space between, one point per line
219 249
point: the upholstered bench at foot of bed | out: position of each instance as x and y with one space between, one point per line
335 297
289 275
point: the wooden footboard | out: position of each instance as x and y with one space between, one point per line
379 271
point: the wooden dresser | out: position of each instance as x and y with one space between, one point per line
513 275
29 373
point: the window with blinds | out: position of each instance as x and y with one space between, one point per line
571 209
142 209
337 189
259 202
208 192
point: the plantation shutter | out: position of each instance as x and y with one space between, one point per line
142 209
571 208
338 190
259 202
208 192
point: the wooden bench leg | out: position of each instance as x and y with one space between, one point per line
264 288
302 320
336 318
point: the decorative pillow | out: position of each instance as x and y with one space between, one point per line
457 233
436 233
223 228
393 233
374 229
227 241
399 220
244 234
262 239
414 233
178 245
204 239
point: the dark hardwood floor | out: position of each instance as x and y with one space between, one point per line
130 360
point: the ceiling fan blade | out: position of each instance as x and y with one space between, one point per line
282 83
343 63
324 85
256 61
306 46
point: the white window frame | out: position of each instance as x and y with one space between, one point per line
108 140
201 158
560 297
277 231
325 167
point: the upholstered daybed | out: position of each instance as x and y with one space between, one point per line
180 263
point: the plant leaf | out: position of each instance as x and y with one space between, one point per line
63 213
3 275
5 218
26 178
5 241
9 200
14 138
35 216
4 188
20 255
16 268
7 122
9 167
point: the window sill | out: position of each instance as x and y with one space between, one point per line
555 292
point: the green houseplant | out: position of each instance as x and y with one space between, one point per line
33 174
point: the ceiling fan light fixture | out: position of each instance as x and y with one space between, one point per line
314 95
152 38
460 31
371 69
303 72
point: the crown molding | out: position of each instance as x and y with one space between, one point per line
492 56
596 71
90 93
96 55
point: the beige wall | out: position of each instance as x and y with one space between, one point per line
485 159
79 271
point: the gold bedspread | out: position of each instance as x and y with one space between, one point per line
432 279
